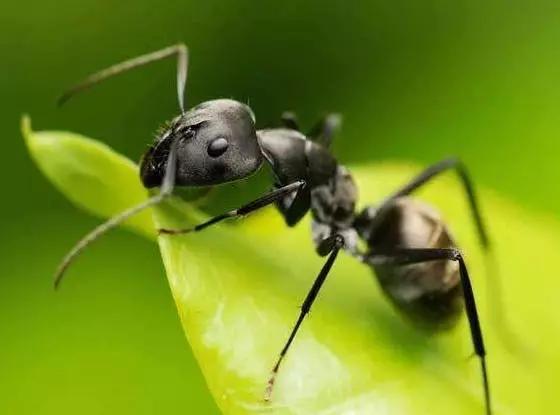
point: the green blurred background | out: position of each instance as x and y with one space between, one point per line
414 81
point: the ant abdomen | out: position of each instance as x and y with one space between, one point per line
428 293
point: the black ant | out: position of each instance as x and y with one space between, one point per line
409 247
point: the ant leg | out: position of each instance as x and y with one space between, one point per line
293 209
499 319
430 173
165 191
413 256
324 131
182 63
289 120
243 210
331 245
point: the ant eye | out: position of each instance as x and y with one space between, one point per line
217 147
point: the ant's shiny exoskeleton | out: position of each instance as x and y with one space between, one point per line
409 247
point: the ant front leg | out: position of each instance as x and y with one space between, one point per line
414 256
330 245
289 120
257 204
324 131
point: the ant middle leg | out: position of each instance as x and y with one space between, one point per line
329 246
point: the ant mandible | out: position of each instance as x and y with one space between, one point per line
408 246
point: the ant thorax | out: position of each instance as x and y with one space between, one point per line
333 209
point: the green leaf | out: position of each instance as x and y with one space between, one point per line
89 173
238 288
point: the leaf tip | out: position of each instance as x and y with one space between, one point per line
25 126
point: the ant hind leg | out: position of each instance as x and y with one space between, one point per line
414 256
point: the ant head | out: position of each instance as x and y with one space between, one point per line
216 143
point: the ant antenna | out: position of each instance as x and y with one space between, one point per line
165 191
182 66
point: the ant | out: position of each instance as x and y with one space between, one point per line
409 247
